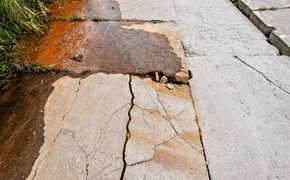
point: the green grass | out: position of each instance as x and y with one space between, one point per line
18 17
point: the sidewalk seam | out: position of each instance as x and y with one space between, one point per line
200 133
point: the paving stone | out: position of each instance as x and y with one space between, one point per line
164 138
243 116
85 129
247 6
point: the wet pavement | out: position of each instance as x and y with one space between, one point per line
102 117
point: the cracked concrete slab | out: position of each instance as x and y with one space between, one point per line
244 118
85 128
164 141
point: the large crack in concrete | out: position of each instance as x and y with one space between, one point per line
262 74
127 128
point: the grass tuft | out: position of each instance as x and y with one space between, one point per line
18 17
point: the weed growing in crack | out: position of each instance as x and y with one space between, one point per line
157 21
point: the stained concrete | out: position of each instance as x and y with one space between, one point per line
164 138
118 126
243 112
85 128
112 47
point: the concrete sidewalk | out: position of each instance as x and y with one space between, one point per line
232 121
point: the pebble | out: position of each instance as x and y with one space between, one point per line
164 79
170 86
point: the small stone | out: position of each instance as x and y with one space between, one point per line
170 86
164 79
77 57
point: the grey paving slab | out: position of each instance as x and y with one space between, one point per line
243 115
85 129
247 6
164 138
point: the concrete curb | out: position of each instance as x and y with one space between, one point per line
263 24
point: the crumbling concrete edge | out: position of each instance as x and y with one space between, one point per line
168 29
268 30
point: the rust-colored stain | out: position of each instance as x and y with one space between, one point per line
105 9
69 8
104 47
57 46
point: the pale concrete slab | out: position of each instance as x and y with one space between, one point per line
247 6
164 138
243 116
209 29
85 129
147 9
